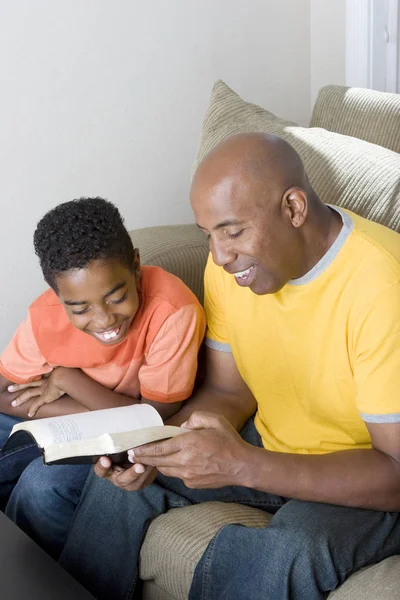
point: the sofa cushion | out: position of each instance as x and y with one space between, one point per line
378 582
367 114
346 171
179 249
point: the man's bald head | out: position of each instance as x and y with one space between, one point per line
253 158
252 199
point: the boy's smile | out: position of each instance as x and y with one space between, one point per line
115 334
101 299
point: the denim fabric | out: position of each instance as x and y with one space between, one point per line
40 499
109 526
13 462
307 550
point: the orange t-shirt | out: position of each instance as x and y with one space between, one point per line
157 360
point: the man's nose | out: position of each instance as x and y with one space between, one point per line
221 253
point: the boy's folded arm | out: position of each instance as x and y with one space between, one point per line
81 394
88 392
6 397
63 406
95 396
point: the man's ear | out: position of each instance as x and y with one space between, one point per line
136 263
295 204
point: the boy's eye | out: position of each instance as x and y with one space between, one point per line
80 312
120 300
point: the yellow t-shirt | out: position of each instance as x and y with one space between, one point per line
321 356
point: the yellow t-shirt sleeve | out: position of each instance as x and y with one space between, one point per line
214 304
376 345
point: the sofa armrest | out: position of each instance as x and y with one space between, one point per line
179 249
365 114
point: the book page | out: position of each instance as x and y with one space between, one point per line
132 439
113 443
81 426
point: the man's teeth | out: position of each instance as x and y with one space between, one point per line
109 335
243 274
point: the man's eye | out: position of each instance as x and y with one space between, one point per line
235 235
120 300
80 312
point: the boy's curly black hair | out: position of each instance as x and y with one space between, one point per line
73 234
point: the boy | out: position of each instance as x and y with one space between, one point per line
107 333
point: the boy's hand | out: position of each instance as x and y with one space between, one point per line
132 479
44 391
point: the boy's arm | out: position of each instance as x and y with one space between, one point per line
73 390
95 396
22 361
80 390
166 377
63 406
73 383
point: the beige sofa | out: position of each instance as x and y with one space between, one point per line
346 154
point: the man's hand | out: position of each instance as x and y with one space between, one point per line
135 478
213 455
43 391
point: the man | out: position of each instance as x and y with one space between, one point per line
303 308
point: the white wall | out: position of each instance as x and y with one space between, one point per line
103 97
327 44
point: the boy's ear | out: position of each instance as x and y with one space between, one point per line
136 263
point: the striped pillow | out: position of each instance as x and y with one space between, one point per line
343 170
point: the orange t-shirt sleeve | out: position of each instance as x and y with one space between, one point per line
22 361
170 367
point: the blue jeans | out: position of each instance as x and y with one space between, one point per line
40 499
307 550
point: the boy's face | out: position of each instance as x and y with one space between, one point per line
102 299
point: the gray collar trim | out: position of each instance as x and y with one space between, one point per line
330 255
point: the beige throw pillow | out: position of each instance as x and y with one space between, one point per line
343 170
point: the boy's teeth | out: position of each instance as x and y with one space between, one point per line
109 335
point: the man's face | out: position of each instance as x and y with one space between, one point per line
101 300
249 236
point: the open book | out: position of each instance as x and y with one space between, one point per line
84 437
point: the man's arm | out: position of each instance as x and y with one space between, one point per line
214 455
360 478
223 392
